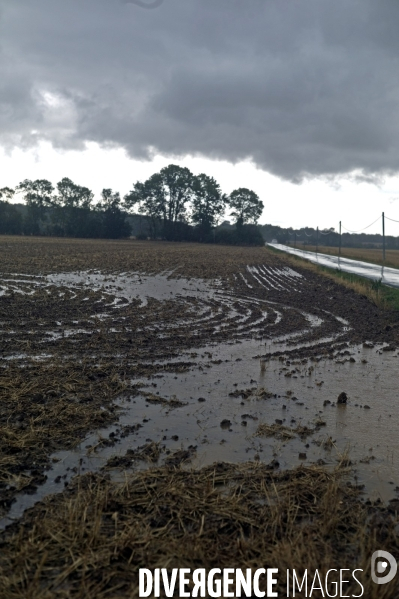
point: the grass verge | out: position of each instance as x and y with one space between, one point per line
386 298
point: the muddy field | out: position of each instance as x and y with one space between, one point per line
139 359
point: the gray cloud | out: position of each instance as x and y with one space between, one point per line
143 4
305 88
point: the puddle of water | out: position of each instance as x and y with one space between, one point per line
133 286
221 310
299 389
371 434
25 356
279 279
130 286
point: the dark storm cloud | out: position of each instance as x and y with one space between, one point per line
303 87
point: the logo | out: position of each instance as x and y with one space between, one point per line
384 563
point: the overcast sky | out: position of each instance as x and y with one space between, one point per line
296 99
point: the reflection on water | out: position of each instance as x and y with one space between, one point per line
304 393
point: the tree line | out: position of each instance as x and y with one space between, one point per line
64 211
176 204
328 237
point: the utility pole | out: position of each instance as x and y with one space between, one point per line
340 239
317 240
383 237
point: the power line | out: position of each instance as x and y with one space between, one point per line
298 236
359 230
333 232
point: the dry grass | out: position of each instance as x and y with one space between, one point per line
90 541
280 431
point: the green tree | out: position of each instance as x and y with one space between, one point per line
164 197
6 194
246 205
148 199
72 214
177 184
114 224
71 195
38 196
208 203
10 217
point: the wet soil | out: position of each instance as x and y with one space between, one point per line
108 348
